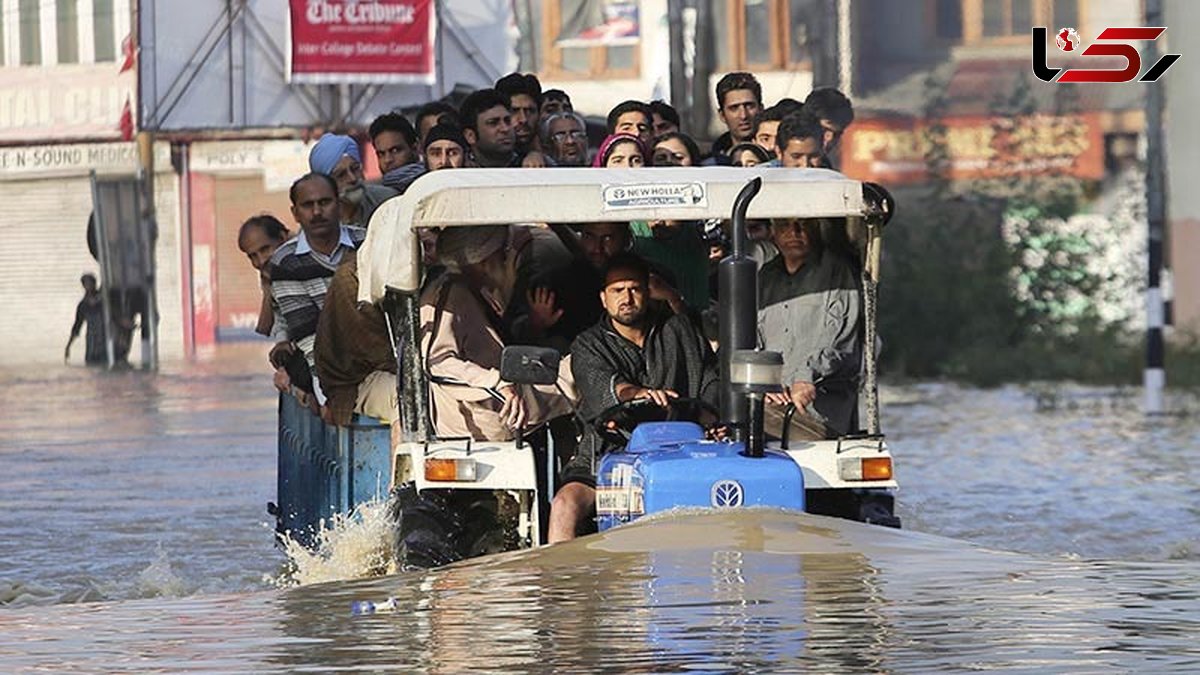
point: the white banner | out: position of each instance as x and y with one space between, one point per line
66 102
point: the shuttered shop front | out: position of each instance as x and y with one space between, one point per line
47 199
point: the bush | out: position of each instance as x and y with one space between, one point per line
1005 279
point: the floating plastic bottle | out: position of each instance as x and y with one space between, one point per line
362 607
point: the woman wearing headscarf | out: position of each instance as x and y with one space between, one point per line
463 336
621 151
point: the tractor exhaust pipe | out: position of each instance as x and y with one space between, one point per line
737 277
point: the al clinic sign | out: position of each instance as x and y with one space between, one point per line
361 41
894 150
70 102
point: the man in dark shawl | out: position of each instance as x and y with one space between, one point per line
636 351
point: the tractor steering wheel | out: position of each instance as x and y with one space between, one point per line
616 424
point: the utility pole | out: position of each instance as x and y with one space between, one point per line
679 84
845 48
147 223
1154 377
701 70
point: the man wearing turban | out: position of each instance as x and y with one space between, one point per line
339 157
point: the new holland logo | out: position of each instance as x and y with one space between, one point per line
727 493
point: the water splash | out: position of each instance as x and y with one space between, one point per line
159 578
350 546
18 594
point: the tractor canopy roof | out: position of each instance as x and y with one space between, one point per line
390 257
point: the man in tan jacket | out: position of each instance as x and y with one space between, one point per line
463 336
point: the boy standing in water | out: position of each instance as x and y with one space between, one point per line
90 310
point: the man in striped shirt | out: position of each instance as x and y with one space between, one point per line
302 268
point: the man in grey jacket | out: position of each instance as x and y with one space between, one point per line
810 309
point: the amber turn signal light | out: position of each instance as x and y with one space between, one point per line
461 469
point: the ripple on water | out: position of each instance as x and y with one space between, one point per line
144 488
760 590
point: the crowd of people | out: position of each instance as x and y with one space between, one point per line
630 305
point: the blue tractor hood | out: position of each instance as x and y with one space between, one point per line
669 465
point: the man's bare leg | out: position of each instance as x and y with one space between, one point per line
573 503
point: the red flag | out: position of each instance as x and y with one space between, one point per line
126 123
128 51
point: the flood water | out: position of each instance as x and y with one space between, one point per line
1044 532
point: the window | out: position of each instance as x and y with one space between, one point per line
68 31
570 47
1002 18
999 21
949 19
31 32
105 30
765 34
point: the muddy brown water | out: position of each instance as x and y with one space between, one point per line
1042 534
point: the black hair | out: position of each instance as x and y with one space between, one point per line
688 142
556 94
812 226
476 103
798 126
270 225
827 103
789 106
664 110
733 82
625 107
629 262
520 83
437 109
775 113
393 122
86 276
761 154
312 175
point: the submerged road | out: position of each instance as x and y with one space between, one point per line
135 536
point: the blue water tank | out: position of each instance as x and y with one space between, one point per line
668 465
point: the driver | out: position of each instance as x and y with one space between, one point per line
638 350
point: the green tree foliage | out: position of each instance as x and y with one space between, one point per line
1000 280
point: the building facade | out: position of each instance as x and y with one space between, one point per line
64 88
69 100
1181 136
786 43
966 66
